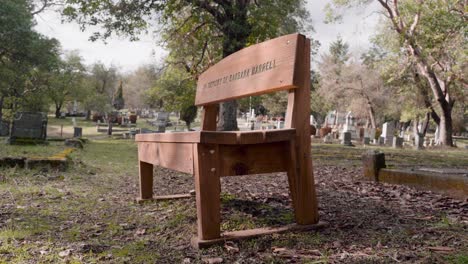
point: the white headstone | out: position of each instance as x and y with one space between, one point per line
387 133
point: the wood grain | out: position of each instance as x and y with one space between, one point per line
261 68
298 114
177 157
253 233
220 137
253 159
146 180
207 190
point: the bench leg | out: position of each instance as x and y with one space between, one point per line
207 190
146 180
301 185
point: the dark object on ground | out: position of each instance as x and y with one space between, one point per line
12 162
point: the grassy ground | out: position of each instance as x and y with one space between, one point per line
87 214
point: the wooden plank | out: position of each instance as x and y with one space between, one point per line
146 180
175 156
253 233
298 116
177 137
207 190
253 159
209 115
220 137
261 68
279 135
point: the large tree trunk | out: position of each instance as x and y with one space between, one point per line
446 127
424 93
440 89
58 107
425 124
228 116
371 113
88 115
441 94
236 29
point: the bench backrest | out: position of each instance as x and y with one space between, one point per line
262 68
279 64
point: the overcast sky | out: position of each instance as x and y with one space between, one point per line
355 29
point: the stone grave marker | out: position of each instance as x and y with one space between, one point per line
29 126
346 141
366 141
387 132
327 139
77 132
381 141
397 142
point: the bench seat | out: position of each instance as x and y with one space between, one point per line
221 137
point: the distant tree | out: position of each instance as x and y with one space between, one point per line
350 85
65 80
137 83
100 87
433 35
25 58
118 100
175 89
188 115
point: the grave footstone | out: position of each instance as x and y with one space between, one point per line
346 141
30 126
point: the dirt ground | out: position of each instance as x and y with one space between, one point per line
88 214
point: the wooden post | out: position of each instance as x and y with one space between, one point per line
209 115
207 190
298 116
146 180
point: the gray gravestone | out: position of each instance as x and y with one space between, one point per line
346 139
397 142
381 141
29 125
327 139
4 128
77 132
366 141
162 119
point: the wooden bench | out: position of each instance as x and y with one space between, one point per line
279 64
